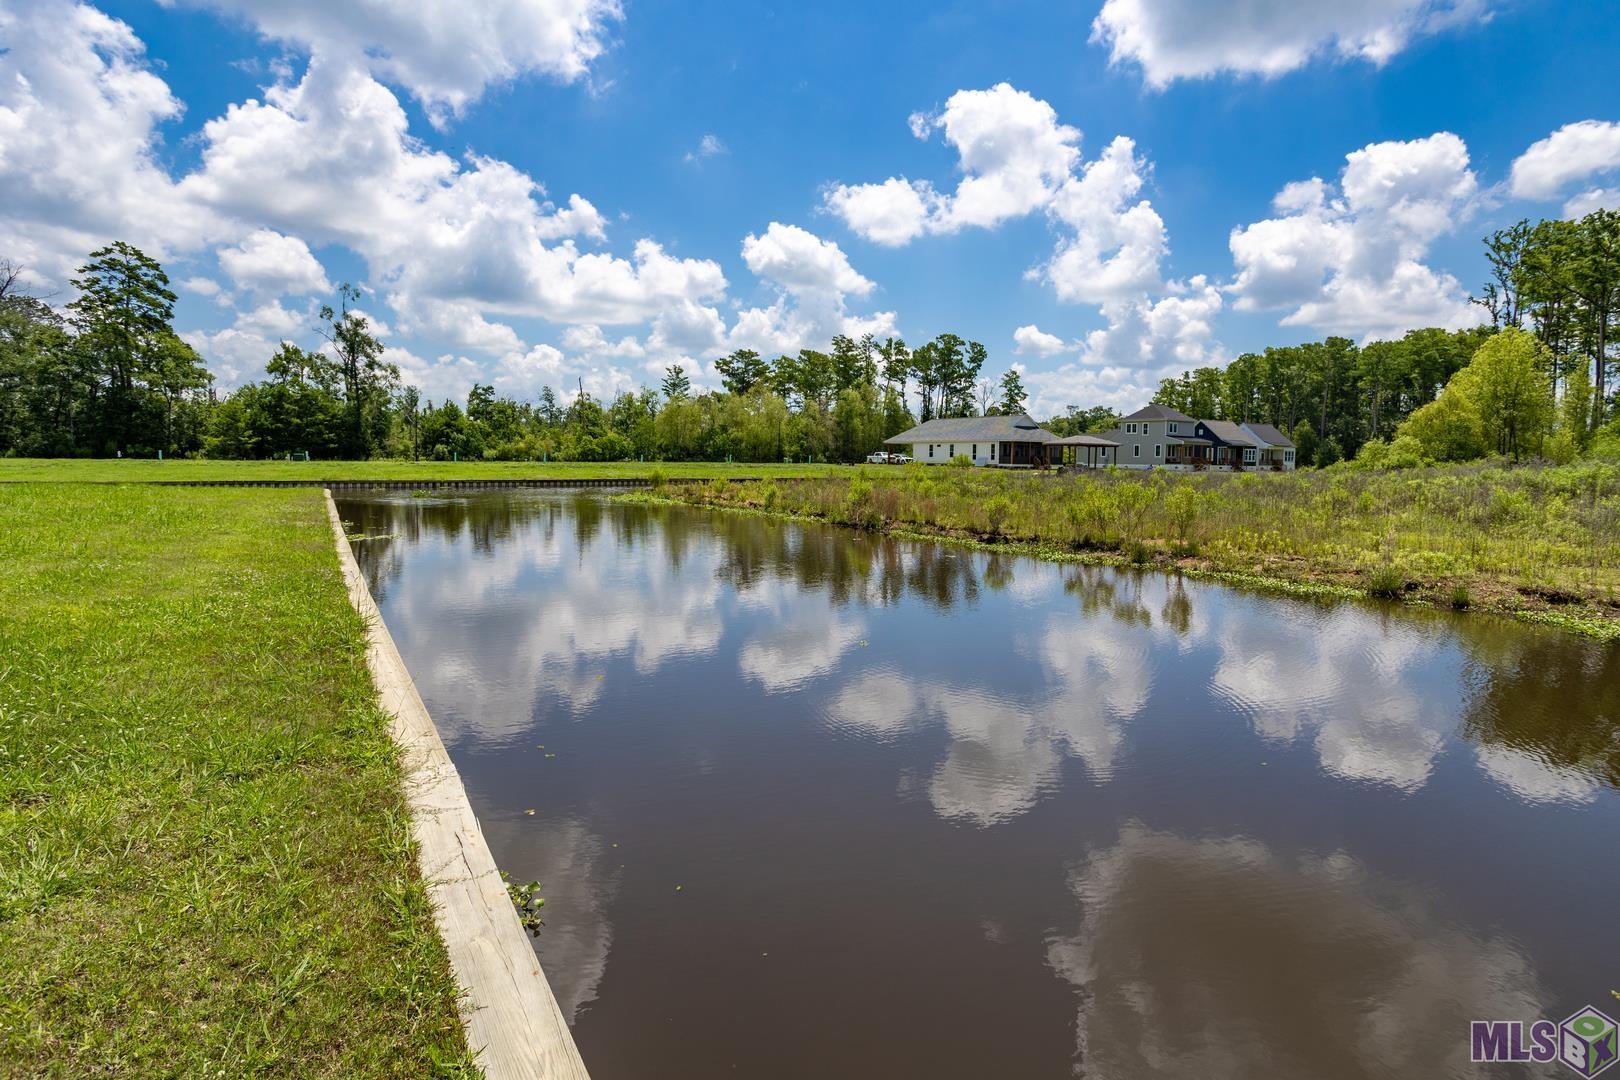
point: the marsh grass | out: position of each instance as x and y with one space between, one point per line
1542 541
1386 582
205 859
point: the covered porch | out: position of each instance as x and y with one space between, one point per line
1271 458
1084 451
1023 455
1190 453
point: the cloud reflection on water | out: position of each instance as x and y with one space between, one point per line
1219 957
532 604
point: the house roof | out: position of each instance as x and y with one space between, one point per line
1120 433
1228 432
1084 440
1018 427
1159 412
1269 435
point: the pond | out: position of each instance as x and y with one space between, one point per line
814 803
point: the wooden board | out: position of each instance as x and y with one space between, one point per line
512 1018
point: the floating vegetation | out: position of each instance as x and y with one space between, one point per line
528 901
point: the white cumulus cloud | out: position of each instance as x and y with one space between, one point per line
1010 146
1573 154
1191 39
1350 260
1031 340
79 118
1017 159
1144 340
269 263
445 52
802 263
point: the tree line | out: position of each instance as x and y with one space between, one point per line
107 374
1559 281
1329 396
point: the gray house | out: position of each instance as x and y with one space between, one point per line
1159 437
1275 450
1015 441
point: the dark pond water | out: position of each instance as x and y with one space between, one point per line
809 803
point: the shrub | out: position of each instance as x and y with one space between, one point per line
1385 581
996 512
1459 596
1181 507
960 461
860 505
1561 448
1605 444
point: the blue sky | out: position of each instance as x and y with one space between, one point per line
562 191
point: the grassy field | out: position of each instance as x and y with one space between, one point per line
1538 543
102 470
205 859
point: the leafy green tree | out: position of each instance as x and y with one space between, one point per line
123 315
742 370
946 370
1500 403
1446 429
894 360
634 417
679 427
367 379
676 385
817 378
445 432
1304 439
410 420
1596 281
924 367
1502 296
858 422
1240 394
1575 408
854 363
1013 395
547 410
1508 381
46 385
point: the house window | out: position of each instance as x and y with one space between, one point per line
1174 427
930 449
1288 455
1130 429
1249 457
1158 450
953 451
1136 449
992 451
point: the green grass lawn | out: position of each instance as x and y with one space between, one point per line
102 470
205 858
